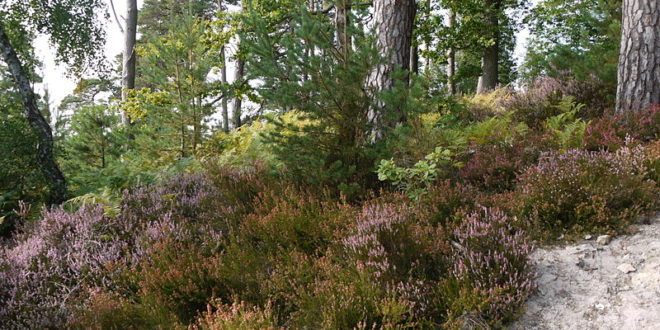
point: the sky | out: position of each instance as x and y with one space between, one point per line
59 85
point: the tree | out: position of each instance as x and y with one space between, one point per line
393 20
129 57
639 60
73 29
578 39
489 60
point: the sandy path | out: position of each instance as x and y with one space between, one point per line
581 287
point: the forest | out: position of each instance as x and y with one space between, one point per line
315 164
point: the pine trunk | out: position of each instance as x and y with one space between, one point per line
341 26
52 173
393 20
128 57
639 58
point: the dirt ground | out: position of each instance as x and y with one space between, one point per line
589 285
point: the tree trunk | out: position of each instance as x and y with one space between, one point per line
238 102
489 60
639 58
393 20
52 173
223 79
129 58
341 26
451 62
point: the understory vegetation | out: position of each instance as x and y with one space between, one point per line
444 241
331 183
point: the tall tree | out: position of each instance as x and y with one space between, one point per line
74 31
239 77
490 58
129 57
341 26
393 20
639 60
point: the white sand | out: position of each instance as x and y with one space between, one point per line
584 286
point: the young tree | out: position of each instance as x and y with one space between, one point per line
393 20
73 29
639 60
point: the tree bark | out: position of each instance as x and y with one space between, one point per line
223 79
639 59
238 102
489 61
343 7
393 20
128 56
451 62
52 173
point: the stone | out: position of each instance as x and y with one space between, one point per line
626 268
604 239
588 237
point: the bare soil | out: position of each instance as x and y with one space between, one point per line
585 285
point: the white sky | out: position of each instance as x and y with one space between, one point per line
60 86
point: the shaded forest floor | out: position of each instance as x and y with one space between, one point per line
590 286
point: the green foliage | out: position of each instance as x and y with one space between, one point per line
566 130
578 38
415 181
20 173
75 28
326 90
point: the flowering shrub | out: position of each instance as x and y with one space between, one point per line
540 100
582 190
236 316
611 131
492 275
45 267
494 167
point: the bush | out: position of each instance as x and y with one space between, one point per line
584 191
611 131
541 99
492 275
45 268
238 316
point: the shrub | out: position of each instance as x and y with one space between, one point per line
611 131
494 167
582 190
238 316
537 103
177 278
445 202
492 275
46 267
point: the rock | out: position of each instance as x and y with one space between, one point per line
600 307
561 237
588 237
604 239
626 268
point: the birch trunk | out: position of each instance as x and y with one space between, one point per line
49 168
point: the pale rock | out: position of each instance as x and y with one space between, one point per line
626 268
604 239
